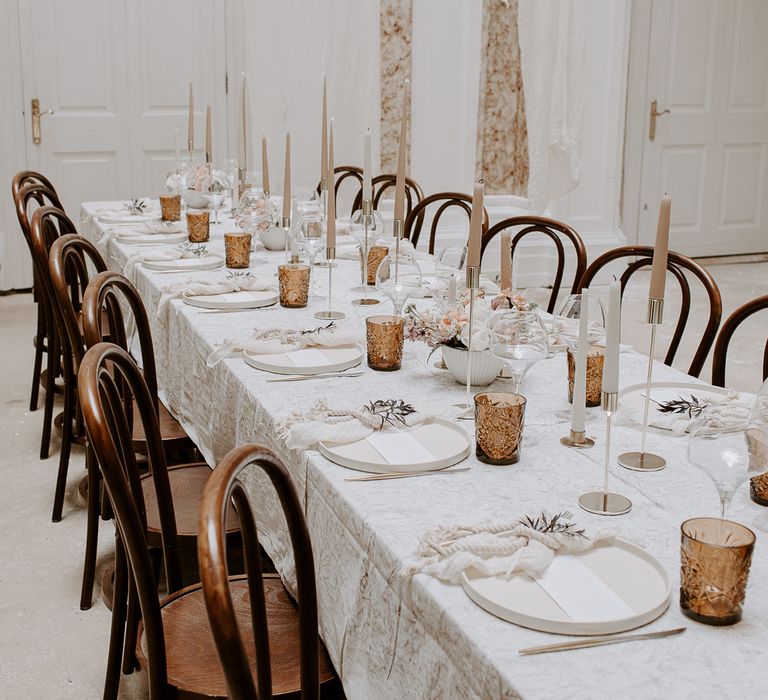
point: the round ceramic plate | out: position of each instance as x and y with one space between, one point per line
150 238
233 300
308 361
616 586
435 444
204 262
129 219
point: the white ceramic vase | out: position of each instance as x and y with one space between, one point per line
485 367
273 238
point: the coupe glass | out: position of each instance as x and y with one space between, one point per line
565 322
215 196
365 229
398 277
721 442
518 339
451 262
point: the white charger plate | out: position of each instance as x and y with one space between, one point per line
205 262
446 442
336 360
150 238
629 571
130 218
233 300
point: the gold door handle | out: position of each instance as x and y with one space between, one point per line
655 113
36 114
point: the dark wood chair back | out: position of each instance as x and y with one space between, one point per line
720 355
108 382
30 197
225 485
342 173
24 177
382 183
556 231
677 264
446 200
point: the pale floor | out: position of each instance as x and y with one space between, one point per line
49 648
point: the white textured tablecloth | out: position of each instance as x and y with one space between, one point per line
392 638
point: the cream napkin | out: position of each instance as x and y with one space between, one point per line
144 229
155 256
239 283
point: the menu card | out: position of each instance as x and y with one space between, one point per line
400 448
308 357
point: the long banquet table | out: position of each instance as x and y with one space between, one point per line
390 635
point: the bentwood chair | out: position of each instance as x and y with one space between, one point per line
280 646
729 327
342 173
446 200
556 231
382 183
174 643
678 265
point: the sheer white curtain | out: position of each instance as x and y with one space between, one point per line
288 45
552 63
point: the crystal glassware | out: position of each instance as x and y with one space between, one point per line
499 419
384 336
198 226
170 207
450 262
293 280
365 229
595 362
565 322
237 249
398 277
231 172
518 339
216 193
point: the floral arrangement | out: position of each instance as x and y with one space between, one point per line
507 299
445 326
174 183
197 177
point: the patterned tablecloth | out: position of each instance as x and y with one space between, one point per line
390 636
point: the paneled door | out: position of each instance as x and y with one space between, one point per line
116 75
708 73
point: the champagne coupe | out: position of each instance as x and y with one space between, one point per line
518 339
450 262
398 277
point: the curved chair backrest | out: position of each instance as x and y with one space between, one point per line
68 264
381 183
224 486
446 200
102 301
33 194
342 173
677 264
555 230
108 382
24 177
720 356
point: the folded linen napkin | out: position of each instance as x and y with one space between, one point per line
266 341
148 208
499 549
236 283
144 229
177 253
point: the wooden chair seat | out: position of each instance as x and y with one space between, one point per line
192 660
173 435
187 485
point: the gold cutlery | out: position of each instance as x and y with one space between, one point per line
600 641
404 475
324 375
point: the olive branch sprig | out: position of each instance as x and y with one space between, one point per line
391 411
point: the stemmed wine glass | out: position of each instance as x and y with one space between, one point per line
722 442
231 172
398 277
518 339
310 236
215 196
450 262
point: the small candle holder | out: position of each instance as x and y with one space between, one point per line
330 314
198 226
715 556
595 363
384 336
237 250
294 285
376 253
499 420
170 207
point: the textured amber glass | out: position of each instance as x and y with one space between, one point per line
499 420
376 253
595 361
294 285
198 226
237 250
714 564
384 335
170 207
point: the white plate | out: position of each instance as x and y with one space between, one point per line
233 300
632 398
446 443
630 572
150 238
130 218
205 262
332 360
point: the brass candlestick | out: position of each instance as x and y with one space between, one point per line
643 461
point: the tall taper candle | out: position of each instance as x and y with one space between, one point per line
475 227
324 142
287 178
578 410
331 223
612 339
191 122
264 164
367 187
243 130
660 250
401 157
208 151
506 260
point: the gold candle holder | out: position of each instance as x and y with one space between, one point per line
595 362
170 207
715 556
198 226
499 420
376 253
294 285
237 249
384 336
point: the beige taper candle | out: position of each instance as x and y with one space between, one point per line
506 260
660 251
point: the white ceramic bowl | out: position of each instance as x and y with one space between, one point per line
195 199
485 367
273 238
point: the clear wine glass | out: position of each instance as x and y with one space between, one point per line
449 262
519 339
231 171
215 196
398 277
565 321
721 442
